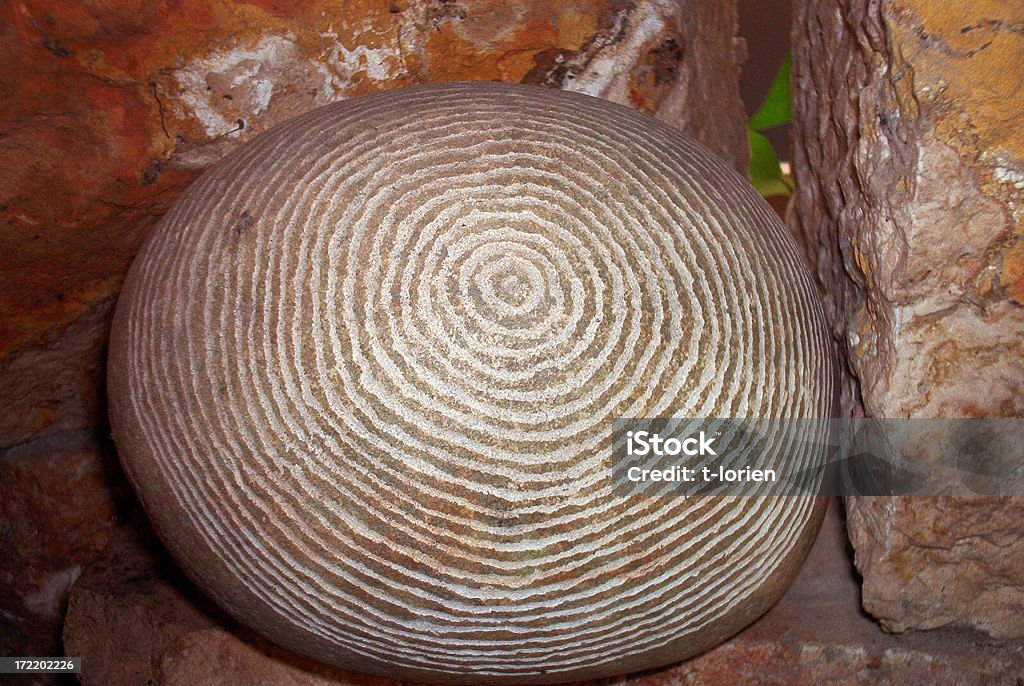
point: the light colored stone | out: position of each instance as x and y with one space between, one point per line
934 562
909 158
363 377
909 202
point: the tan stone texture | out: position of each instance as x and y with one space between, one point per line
909 159
933 562
367 367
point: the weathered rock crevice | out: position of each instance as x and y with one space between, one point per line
909 201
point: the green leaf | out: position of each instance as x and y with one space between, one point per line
765 172
775 110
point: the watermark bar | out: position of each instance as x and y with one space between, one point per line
771 457
40 665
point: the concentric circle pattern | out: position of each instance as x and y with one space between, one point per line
363 376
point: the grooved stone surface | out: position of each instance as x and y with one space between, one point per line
910 174
135 621
363 377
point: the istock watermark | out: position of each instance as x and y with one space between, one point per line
783 457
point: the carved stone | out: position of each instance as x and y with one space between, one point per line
363 375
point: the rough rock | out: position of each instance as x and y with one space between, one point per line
111 109
57 513
134 619
941 561
909 160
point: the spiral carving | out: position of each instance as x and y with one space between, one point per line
363 373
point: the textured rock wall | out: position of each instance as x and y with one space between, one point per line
909 158
110 109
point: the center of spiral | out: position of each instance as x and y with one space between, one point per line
510 286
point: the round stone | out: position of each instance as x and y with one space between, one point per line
363 377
